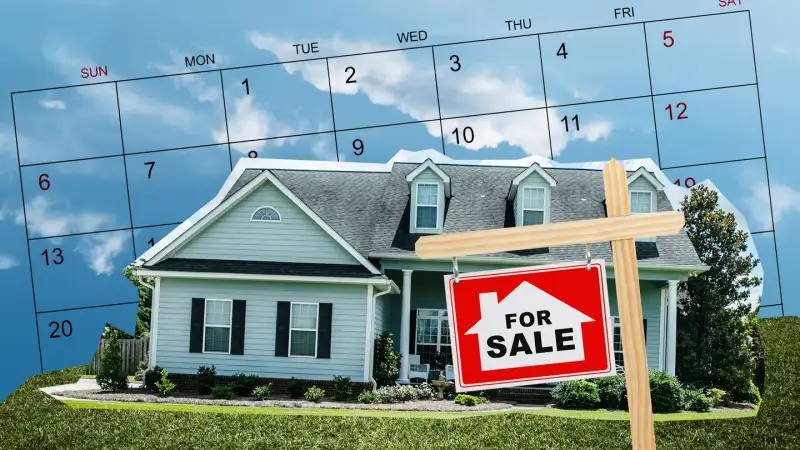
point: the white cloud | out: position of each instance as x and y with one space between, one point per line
45 219
8 212
785 200
193 83
779 49
53 104
391 79
99 251
582 95
246 122
8 262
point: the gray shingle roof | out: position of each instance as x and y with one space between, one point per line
370 210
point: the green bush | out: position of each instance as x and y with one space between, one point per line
576 394
262 392
165 386
387 361
753 395
296 388
367 397
666 392
404 393
469 400
695 400
206 379
314 394
613 392
222 392
111 377
342 389
243 385
151 377
718 397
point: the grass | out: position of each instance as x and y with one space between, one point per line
31 419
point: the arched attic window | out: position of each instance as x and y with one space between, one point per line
266 214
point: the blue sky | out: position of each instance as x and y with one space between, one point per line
48 42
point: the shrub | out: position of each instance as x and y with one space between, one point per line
404 393
243 384
425 392
111 377
367 397
576 394
262 392
296 388
314 394
753 395
718 397
695 400
206 379
222 392
151 377
469 400
387 361
342 390
165 386
613 392
666 392
141 369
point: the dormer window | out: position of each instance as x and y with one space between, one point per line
531 192
643 189
429 186
533 205
266 214
641 202
427 205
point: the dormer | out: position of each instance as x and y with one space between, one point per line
643 189
429 187
531 192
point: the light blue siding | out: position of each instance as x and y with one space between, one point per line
297 238
427 176
651 311
347 329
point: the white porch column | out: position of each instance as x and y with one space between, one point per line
405 327
672 320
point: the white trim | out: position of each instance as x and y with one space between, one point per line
652 199
662 330
437 205
617 323
370 331
642 172
545 204
229 326
439 318
535 167
254 277
316 330
429 164
151 360
280 217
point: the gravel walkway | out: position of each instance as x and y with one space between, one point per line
146 397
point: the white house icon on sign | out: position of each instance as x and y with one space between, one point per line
528 328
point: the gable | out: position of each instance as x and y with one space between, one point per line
296 238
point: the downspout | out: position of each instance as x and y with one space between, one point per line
372 353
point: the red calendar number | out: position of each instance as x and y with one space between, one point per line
681 108
687 182
668 38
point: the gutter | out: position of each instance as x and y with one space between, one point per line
389 289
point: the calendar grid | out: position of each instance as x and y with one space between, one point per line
546 108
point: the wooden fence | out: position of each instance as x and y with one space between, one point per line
132 351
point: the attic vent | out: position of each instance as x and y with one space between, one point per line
266 214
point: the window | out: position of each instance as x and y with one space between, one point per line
533 205
641 202
432 336
303 329
618 360
427 205
217 326
266 214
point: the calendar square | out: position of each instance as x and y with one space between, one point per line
317 147
498 136
379 144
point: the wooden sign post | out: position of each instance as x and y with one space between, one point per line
621 228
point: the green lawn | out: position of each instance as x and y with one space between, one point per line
29 419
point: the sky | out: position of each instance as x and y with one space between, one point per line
90 210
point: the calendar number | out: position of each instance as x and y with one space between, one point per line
246 85
669 41
358 146
467 134
65 326
150 170
681 108
352 74
456 63
687 182
44 181
252 154
57 253
152 242
574 119
562 51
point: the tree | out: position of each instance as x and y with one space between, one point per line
713 344
111 376
387 361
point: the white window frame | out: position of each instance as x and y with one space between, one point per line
649 193
440 318
544 204
615 323
315 330
280 217
206 326
437 205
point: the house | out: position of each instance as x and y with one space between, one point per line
295 266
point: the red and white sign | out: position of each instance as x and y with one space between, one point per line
529 325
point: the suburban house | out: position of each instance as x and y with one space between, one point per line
295 267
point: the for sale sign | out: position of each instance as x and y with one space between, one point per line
530 325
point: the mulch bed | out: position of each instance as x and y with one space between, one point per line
136 395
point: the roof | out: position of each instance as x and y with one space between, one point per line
370 209
262 268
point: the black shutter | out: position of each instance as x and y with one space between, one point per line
237 327
196 330
324 330
412 333
645 331
282 329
